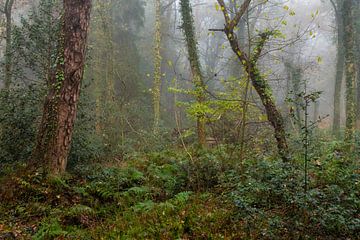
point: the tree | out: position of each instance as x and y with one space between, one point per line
157 66
350 71
35 44
60 106
357 52
114 69
193 56
7 10
340 64
250 64
295 78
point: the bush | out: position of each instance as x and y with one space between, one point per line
19 112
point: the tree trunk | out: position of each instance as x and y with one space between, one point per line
273 114
259 83
350 71
60 107
357 52
189 32
157 66
8 48
339 69
295 77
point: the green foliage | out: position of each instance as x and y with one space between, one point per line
19 112
35 42
49 230
86 145
270 200
166 195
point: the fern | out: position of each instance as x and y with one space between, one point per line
50 230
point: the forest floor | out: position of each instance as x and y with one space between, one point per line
164 195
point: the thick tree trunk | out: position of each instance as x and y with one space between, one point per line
340 64
60 107
8 51
350 71
193 55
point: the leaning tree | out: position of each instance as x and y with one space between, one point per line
60 106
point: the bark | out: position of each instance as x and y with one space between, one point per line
259 83
340 64
357 52
316 115
60 107
350 71
193 55
8 51
295 76
157 66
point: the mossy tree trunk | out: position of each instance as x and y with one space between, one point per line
157 66
350 70
60 107
193 55
357 52
340 64
261 86
295 77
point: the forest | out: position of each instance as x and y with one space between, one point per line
180 119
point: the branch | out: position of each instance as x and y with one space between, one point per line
239 14
216 30
225 11
335 7
257 51
231 23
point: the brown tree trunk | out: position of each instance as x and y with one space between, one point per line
60 107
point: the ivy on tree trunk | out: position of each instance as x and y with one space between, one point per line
60 107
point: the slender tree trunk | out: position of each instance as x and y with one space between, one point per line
193 55
357 52
8 48
316 112
261 86
340 64
350 71
295 76
60 107
157 65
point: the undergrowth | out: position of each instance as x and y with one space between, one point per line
166 195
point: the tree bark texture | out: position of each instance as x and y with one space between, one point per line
60 107
157 67
340 64
357 52
350 71
193 55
